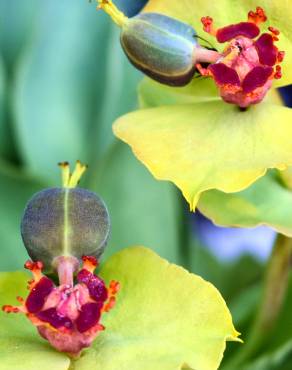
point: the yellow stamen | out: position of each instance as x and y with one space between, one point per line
112 292
65 173
77 174
116 15
230 54
71 180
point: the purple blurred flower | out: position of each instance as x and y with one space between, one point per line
230 243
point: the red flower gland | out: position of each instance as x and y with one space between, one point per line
249 62
68 316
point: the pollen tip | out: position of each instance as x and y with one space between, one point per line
10 309
110 304
278 72
114 287
76 175
274 31
280 56
89 263
100 327
63 164
30 284
90 259
20 299
257 17
33 266
208 25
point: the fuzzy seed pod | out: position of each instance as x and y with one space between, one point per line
161 47
66 221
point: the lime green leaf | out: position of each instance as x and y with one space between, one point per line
132 196
228 12
154 94
259 203
20 345
266 202
164 318
145 330
242 295
200 90
286 177
15 190
223 274
211 145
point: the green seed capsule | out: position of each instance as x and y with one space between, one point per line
66 221
161 47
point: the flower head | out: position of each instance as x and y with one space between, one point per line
68 315
58 233
249 62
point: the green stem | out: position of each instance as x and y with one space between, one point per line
275 287
206 56
276 284
66 266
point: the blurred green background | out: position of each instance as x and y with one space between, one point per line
63 81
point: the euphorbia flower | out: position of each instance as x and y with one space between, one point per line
246 70
189 135
68 315
166 318
58 226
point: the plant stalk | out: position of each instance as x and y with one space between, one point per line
66 266
274 292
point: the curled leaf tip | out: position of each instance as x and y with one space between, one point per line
234 337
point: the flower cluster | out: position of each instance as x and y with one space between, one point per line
68 316
249 63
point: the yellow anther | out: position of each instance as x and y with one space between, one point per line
77 174
116 15
71 180
65 173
